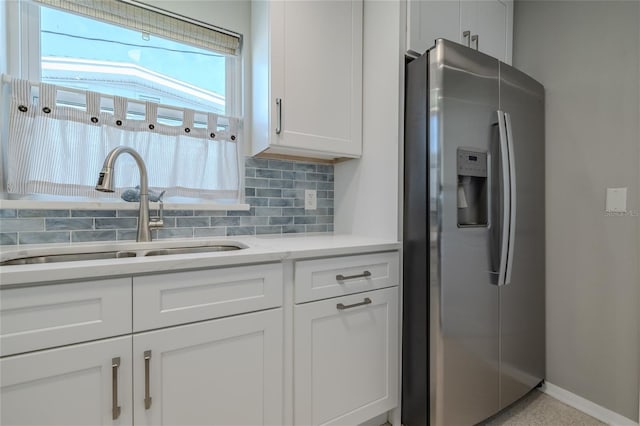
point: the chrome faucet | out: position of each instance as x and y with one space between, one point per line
105 184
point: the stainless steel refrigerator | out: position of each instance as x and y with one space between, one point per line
474 232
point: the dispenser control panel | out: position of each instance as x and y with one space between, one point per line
472 163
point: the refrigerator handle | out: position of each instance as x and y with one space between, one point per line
512 201
506 202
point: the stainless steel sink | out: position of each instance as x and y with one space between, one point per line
187 250
126 252
52 258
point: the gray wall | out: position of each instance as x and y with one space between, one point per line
587 54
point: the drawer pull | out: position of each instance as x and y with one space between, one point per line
115 409
147 397
342 307
365 274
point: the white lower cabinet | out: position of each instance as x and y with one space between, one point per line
206 347
221 372
83 384
346 358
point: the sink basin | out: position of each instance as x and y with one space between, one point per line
52 258
187 250
126 252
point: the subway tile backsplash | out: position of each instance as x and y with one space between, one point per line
273 188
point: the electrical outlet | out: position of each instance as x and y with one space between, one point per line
310 199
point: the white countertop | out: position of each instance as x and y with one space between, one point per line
260 249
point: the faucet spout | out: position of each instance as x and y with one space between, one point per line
106 184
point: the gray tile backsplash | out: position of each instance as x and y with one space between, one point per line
273 188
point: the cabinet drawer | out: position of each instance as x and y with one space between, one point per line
182 297
45 316
338 276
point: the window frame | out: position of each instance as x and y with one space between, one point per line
23 55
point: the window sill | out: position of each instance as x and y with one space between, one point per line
11 201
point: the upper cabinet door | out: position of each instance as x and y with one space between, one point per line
429 20
311 82
486 25
494 27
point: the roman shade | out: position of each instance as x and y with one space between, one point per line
149 21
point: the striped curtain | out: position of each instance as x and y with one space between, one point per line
59 150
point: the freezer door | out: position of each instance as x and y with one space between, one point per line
522 302
415 322
464 322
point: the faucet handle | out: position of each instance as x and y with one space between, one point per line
157 221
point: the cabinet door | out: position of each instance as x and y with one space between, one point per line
492 28
429 20
316 62
68 386
491 22
220 372
346 358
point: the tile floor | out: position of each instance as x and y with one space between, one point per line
539 409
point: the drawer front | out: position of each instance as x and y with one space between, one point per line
182 297
337 276
45 316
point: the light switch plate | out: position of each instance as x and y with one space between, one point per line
616 200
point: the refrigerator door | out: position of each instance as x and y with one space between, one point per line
522 301
464 322
415 319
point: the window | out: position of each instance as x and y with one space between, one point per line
170 71
81 52
74 50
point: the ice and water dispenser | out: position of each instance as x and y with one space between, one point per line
472 188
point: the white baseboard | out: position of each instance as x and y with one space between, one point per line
591 408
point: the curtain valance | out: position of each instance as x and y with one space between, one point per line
59 149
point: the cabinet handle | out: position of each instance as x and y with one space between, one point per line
115 408
476 38
342 307
365 274
147 397
466 35
279 115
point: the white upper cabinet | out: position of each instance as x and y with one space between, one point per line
429 20
307 78
485 25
